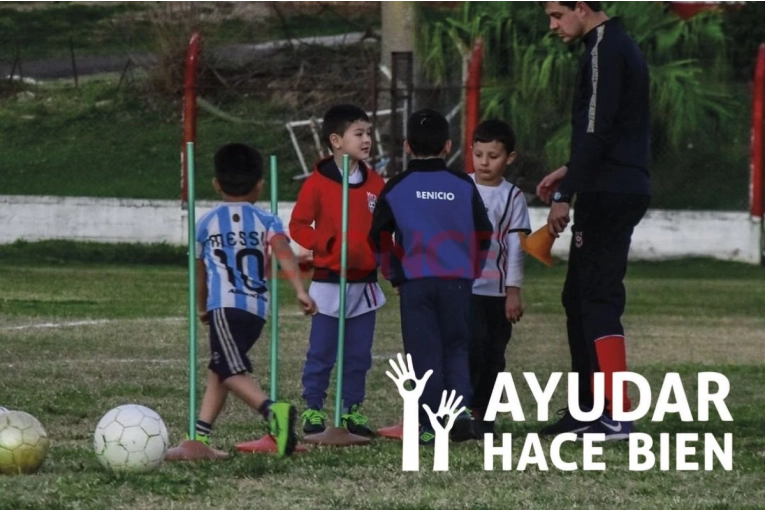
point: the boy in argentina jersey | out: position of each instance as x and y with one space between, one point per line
232 250
496 303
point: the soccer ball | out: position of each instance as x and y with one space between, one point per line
23 443
3 410
131 438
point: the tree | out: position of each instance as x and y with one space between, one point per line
744 31
529 74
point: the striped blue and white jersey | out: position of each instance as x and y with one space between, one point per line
233 240
509 215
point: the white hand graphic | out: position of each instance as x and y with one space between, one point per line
448 408
410 458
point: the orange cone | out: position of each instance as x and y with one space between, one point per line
538 245
393 432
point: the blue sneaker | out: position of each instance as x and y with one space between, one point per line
614 430
567 423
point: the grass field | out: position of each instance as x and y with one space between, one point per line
684 317
102 142
118 28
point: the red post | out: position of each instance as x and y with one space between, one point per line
189 118
756 203
472 101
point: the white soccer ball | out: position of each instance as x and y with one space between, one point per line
3 410
131 438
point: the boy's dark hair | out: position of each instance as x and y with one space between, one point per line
594 6
427 131
238 168
338 118
495 131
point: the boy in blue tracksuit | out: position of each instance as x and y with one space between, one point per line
441 231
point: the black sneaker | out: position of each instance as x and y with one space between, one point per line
566 423
427 436
356 423
482 427
611 429
313 421
463 428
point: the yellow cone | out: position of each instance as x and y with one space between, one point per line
538 245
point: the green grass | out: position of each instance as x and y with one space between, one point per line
45 30
102 142
684 317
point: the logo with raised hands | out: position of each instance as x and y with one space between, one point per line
410 458
442 422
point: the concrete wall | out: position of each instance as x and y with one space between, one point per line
662 234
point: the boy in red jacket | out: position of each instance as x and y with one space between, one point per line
316 225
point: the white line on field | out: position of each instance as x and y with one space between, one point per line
55 325
107 361
72 324
163 361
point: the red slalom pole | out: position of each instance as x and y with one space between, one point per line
189 118
758 138
472 101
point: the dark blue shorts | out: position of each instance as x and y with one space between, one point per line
233 332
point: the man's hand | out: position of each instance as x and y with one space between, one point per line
513 305
558 218
204 317
549 184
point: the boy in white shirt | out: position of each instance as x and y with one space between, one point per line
496 303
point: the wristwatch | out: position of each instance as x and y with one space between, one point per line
559 197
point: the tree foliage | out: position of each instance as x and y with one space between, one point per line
744 31
528 74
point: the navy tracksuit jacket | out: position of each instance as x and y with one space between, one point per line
442 233
608 173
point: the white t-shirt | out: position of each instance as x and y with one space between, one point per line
509 215
360 298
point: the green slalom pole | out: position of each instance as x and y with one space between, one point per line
343 292
274 291
192 293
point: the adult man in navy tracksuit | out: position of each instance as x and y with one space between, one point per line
608 173
441 230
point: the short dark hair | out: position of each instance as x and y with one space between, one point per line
594 6
494 130
427 131
338 118
238 168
